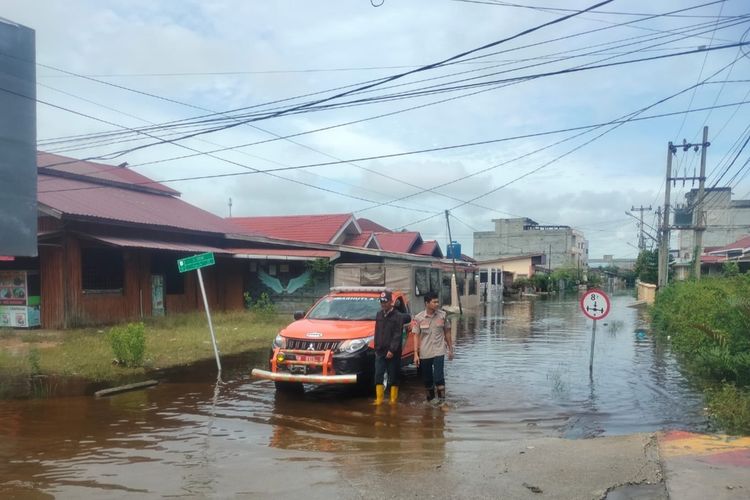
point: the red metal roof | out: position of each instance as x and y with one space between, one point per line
358 240
97 171
368 225
399 242
78 197
307 228
743 245
429 248
155 244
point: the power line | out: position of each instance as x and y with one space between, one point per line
349 86
555 73
421 151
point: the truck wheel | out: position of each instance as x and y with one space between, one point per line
291 387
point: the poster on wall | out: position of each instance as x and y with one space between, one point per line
19 316
13 290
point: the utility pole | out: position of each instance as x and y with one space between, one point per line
453 255
641 239
664 243
699 216
698 222
230 207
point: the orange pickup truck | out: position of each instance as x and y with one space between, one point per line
333 342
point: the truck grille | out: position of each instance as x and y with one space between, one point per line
316 345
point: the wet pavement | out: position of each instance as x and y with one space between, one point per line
520 379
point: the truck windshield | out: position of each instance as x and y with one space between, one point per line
346 308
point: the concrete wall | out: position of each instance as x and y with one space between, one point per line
726 221
569 247
646 292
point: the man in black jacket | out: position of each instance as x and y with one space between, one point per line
388 326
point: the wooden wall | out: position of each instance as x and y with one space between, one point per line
52 290
65 305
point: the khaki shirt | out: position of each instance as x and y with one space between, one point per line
431 331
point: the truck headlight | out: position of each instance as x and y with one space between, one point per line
279 341
355 345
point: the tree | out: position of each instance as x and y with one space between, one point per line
647 266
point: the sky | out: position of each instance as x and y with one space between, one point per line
108 66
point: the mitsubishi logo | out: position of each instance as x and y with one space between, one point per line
311 347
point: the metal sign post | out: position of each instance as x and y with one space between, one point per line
595 305
195 263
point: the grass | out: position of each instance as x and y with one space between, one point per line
170 341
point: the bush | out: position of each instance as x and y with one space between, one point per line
730 408
263 308
128 344
709 322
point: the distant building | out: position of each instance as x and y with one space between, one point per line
726 220
562 246
612 261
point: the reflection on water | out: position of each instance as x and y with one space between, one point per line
521 369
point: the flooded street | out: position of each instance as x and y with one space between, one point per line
521 371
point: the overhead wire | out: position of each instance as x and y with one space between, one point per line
376 80
564 71
624 119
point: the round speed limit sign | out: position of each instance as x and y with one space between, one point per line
595 304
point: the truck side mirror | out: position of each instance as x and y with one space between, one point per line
298 315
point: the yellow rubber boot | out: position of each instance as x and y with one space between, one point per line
379 393
394 394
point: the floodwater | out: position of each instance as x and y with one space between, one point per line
521 370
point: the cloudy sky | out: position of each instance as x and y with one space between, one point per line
264 71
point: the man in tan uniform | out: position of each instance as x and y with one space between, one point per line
432 341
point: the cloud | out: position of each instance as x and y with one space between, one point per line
274 50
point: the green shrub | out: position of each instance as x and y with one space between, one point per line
730 408
730 268
263 308
128 344
709 324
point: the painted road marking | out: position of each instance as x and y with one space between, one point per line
717 448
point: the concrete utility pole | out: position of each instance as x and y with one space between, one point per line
664 243
699 218
698 224
641 239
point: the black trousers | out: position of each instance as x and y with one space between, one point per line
433 371
392 366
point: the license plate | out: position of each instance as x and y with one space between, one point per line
316 359
298 369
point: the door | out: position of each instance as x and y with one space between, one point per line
157 295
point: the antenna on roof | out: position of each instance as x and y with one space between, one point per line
230 207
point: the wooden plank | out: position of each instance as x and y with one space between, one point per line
124 388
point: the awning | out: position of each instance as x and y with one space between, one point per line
283 254
155 244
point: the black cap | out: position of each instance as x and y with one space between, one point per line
385 296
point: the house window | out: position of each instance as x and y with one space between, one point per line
102 270
427 280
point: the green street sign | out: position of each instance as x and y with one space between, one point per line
195 262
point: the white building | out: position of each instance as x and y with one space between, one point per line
726 220
561 246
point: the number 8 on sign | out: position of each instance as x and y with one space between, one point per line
595 304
